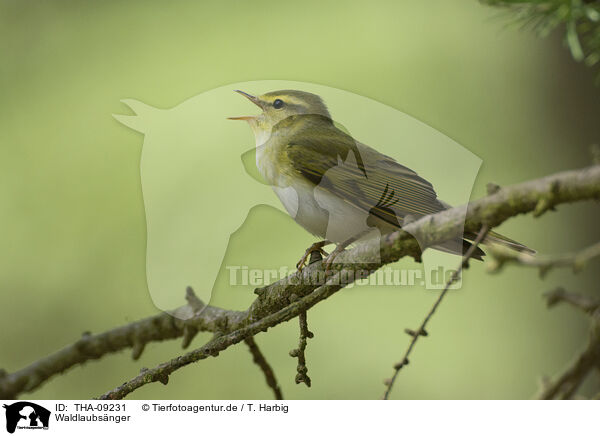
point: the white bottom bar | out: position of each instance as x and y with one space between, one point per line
303 417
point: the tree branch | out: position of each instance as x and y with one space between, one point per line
273 304
262 363
502 256
565 385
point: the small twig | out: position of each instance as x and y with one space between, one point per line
565 386
416 334
262 363
559 295
192 299
302 375
503 255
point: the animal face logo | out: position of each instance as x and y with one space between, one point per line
26 415
219 202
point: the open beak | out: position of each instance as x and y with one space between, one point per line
253 99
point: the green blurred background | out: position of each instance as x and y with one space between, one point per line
73 245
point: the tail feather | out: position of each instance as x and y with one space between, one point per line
496 238
478 254
451 247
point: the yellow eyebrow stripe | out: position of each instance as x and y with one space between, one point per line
289 99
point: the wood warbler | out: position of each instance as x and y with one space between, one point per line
335 187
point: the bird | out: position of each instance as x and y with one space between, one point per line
336 187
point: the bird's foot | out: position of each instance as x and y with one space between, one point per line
341 247
317 247
329 260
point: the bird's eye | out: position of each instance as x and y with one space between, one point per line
278 104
